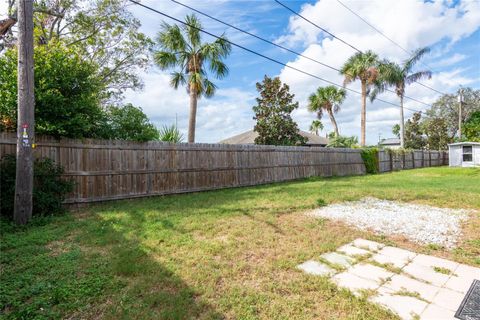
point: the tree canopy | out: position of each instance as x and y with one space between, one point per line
275 125
103 32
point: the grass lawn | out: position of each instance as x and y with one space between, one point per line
212 255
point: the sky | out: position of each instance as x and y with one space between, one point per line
450 28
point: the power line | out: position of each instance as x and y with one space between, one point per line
257 53
277 45
389 39
329 33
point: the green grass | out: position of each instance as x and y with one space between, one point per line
212 255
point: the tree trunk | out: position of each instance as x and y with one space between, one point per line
334 123
25 123
364 113
193 116
402 124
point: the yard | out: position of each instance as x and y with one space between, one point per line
221 254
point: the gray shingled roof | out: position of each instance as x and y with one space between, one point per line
390 141
248 137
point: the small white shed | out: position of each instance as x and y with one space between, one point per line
464 154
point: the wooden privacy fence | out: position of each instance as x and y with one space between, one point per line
392 161
108 170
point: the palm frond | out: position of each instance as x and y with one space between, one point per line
209 88
192 30
218 68
178 78
417 76
165 60
170 38
417 55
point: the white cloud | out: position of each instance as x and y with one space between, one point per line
230 113
411 24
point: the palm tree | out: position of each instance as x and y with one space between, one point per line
316 126
361 66
182 48
327 99
399 76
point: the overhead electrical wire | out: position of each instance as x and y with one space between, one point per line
329 33
277 45
259 54
389 39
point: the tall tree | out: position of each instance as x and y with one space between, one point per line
414 138
399 76
101 31
316 126
275 125
471 128
446 107
182 48
327 99
362 66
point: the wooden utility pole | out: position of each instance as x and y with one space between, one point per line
460 102
25 118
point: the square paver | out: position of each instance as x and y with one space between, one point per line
371 272
394 261
406 307
434 312
338 259
426 274
469 272
350 250
398 253
367 244
448 299
353 282
401 282
316 268
431 261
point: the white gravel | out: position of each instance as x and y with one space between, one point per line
419 223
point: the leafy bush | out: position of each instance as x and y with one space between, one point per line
170 134
49 190
342 141
370 159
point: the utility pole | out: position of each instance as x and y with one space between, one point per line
460 102
25 119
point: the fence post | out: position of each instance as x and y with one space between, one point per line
429 158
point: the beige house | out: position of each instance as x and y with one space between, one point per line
248 137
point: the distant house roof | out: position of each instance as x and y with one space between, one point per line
390 142
248 137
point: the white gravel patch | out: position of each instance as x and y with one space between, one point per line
420 223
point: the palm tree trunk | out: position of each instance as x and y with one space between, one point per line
402 124
334 123
193 116
364 113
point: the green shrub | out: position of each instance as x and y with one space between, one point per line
321 202
49 190
370 159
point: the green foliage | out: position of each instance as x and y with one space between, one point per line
275 125
335 141
129 123
316 126
370 159
67 93
327 99
414 138
171 134
471 127
104 32
49 190
446 107
321 202
436 130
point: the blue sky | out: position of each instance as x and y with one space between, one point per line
450 28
